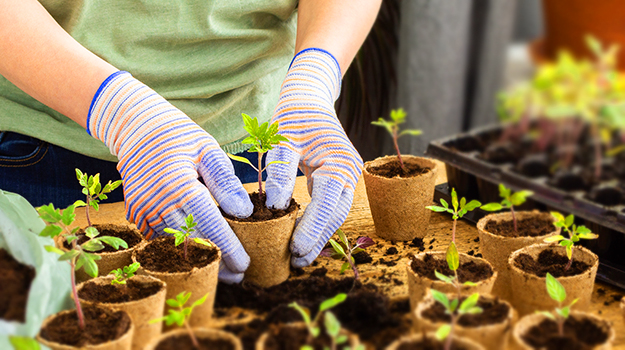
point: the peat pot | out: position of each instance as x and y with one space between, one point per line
213 338
417 339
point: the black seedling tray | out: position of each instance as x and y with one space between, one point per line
476 178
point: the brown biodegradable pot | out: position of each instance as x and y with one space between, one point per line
526 323
398 204
141 311
353 339
492 336
497 249
109 261
198 282
122 343
418 286
464 343
623 308
529 292
267 244
200 333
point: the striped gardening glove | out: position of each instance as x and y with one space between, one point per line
306 116
161 153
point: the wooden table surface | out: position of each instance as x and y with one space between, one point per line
388 272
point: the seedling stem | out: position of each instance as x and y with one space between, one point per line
458 209
509 200
398 116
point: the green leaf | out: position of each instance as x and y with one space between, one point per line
546 314
469 284
69 255
79 174
453 304
344 267
342 339
179 238
114 242
332 324
183 297
91 232
88 262
553 239
92 245
304 312
444 203
569 220
454 199
337 247
440 297
583 229
492 207
453 258
332 302
588 236
412 132
202 241
559 217
241 159
569 250
443 332
68 215
469 302
472 205
200 301
564 312
555 289
504 192
173 303
49 214
342 237
171 231
520 197
51 231
23 343
436 208
276 162
443 278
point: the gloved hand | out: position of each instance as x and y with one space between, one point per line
306 116
161 152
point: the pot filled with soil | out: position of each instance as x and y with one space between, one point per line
428 341
110 258
193 270
530 265
295 335
105 329
490 328
142 297
421 275
15 279
266 236
398 198
498 239
580 331
209 339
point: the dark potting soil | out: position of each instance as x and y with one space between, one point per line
261 212
580 333
552 262
101 326
184 342
528 227
468 271
124 232
108 293
429 344
161 255
365 312
393 169
292 338
15 280
493 312
362 258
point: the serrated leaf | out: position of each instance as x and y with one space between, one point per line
91 232
91 268
559 217
51 231
49 214
69 255
114 242
68 215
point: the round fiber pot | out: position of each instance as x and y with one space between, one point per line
109 261
398 204
278 337
267 244
418 286
529 292
623 308
122 342
202 334
492 336
197 281
417 339
525 324
141 311
497 248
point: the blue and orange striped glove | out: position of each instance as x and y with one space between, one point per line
161 153
306 116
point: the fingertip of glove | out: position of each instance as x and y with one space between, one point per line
238 205
277 199
229 277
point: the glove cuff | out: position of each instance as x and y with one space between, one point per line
323 66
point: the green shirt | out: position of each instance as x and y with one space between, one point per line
213 59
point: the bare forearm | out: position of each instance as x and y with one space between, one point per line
337 26
43 60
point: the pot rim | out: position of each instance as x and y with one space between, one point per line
192 271
50 343
432 173
535 318
441 283
593 267
163 288
481 224
290 216
199 332
134 230
415 337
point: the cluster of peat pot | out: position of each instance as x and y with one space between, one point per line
479 160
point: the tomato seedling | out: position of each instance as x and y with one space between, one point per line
182 315
93 191
575 234
398 117
467 307
558 293
343 250
122 275
453 261
183 236
509 201
458 209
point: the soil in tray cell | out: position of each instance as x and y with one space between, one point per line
291 338
552 262
15 280
119 231
365 312
393 169
529 227
161 255
428 344
101 325
261 212
500 154
470 271
493 312
182 342
108 293
579 334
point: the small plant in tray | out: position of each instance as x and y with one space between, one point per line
123 274
343 250
454 309
575 234
398 116
458 209
560 314
509 201
182 315
183 236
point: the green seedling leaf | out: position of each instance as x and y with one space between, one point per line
87 261
441 298
553 239
469 303
443 278
68 216
202 242
469 283
330 303
443 332
24 343
91 232
555 289
200 301
332 324
304 312
344 268
492 207
337 247
51 231
93 245
453 258
52 249
241 159
114 242
183 297
49 214
69 255
436 208
342 237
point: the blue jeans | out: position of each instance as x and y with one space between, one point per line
44 173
